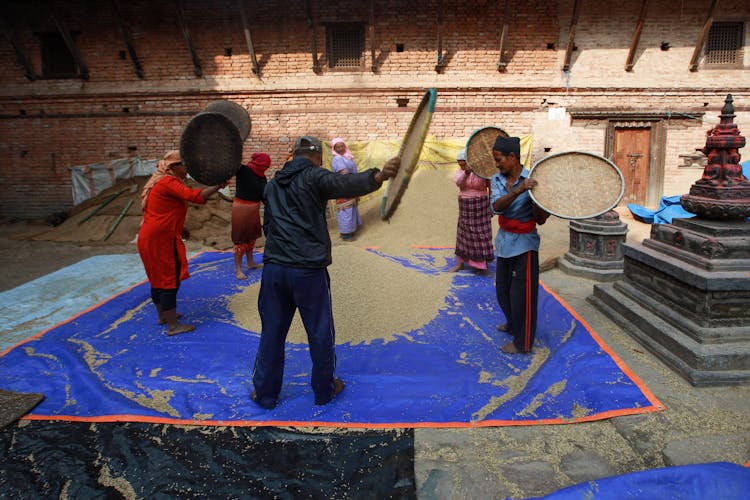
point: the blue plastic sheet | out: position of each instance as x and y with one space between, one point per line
47 301
641 213
714 481
114 363
669 208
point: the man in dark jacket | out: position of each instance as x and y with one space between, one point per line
295 260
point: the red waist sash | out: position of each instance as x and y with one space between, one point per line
515 225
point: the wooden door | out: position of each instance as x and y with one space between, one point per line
632 156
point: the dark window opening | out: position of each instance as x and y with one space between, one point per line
57 60
399 47
345 44
724 43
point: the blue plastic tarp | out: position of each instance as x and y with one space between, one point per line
669 208
713 481
114 363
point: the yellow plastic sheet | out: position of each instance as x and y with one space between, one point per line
437 154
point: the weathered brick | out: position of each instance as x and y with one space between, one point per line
49 125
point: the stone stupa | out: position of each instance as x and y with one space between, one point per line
685 290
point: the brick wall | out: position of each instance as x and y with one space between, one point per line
49 125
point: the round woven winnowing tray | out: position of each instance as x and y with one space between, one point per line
479 151
234 112
411 148
211 148
576 185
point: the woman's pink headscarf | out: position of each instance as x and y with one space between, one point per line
163 169
347 153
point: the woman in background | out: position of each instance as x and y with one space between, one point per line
347 212
246 224
164 201
474 231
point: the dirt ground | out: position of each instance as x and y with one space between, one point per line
104 225
699 425
426 215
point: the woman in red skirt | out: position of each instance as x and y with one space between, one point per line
474 231
246 223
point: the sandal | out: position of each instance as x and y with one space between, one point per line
338 386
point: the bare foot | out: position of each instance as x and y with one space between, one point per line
456 268
240 275
548 264
254 266
163 321
510 348
180 328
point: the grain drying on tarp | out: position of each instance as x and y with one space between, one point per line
374 298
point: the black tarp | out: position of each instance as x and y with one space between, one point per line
54 459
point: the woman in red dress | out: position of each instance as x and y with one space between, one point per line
164 202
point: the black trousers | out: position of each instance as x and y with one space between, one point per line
517 289
167 297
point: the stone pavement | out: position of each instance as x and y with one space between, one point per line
698 425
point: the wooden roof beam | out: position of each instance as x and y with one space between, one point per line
126 38
371 29
702 37
636 36
440 66
188 40
83 70
10 35
502 63
571 35
314 36
248 38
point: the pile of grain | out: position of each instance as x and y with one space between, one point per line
375 297
426 215
96 222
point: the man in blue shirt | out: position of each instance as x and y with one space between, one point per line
516 245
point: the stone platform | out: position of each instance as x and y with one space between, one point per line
684 295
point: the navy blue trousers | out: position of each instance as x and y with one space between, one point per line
283 290
517 290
